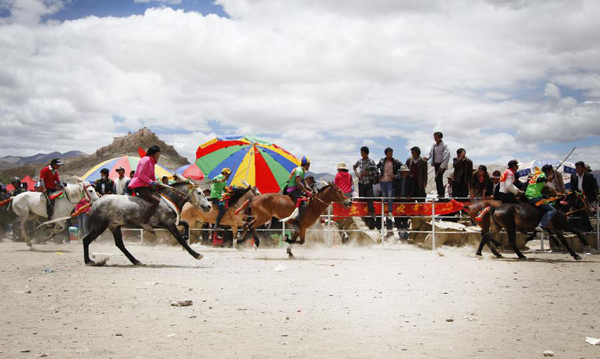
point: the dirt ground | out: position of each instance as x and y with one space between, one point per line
395 302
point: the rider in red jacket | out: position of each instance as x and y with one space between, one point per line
51 181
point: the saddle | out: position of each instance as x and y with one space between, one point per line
56 195
300 201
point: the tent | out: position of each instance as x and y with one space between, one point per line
567 169
128 163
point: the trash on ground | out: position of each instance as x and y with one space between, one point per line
181 303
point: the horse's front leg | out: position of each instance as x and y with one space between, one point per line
172 228
565 244
24 234
186 230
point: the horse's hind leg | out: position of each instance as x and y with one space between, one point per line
565 244
186 230
88 239
172 228
119 243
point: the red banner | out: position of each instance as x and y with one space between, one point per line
360 209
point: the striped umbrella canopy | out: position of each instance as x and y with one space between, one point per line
259 163
129 163
190 171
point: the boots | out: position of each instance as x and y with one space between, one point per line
222 211
146 220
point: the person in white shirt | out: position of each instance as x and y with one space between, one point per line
508 191
439 156
121 181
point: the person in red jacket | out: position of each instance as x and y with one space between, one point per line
51 183
343 179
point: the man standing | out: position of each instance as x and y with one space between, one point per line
366 172
121 182
463 170
584 182
388 167
129 191
494 189
404 187
418 171
50 180
439 156
105 185
217 190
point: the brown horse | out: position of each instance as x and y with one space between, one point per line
524 217
281 206
234 217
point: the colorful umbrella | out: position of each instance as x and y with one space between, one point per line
129 163
190 171
259 163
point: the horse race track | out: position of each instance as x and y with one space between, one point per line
329 303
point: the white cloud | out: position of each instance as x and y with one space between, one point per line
167 2
304 72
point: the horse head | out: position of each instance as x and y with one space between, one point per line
197 197
575 201
86 190
332 193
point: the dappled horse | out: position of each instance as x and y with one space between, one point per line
234 216
524 217
116 211
280 206
28 205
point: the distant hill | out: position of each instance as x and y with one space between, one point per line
9 162
327 177
121 146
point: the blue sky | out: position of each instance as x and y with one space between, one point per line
501 79
76 9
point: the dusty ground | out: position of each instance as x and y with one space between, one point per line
329 303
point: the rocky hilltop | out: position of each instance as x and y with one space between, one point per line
121 146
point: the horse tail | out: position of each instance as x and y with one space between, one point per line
291 216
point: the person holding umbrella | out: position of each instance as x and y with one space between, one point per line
217 190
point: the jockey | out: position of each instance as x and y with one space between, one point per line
50 180
534 195
508 191
296 188
217 190
16 182
144 183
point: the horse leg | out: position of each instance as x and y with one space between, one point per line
186 230
172 228
484 239
88 239
24 234
579 235
119 243
291 244
512 240
565 244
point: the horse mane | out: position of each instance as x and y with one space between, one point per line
237 193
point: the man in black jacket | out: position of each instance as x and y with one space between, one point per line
105 185
388 168
584 182
404 187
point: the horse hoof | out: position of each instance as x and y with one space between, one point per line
499 256
291 256
90 263
522 258
478 254
138 264
29 244
199 256
577 258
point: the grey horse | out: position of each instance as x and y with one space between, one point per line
115 211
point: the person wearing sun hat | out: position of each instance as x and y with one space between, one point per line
343 179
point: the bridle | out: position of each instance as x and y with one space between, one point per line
320 200
84 193
585 204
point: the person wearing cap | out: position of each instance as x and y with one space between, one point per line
343 179
296 188
480 183
144 183
16 182
217 191
508 190
449 186
463 170
534 195
104 185
121 181
439 156
50 180
388 167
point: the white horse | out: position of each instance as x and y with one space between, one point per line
28 205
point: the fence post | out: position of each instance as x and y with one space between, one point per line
383 224
433 224
329 226
542 242
142 235
282 233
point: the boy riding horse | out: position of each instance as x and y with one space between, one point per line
297 190
50 180
534 195
217 191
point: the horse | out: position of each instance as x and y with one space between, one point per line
28 205
234 216
116 211
524 217
281 206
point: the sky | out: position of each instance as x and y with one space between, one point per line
501 78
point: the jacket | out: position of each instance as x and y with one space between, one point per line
445 158
590 186
421 180
50 177
463 169
105 186
144 173
403 187
396 166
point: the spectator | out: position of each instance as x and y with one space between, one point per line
584 182
418 171
480 183
555 183
19 188
439 156
129 191
509 190
449 186
343 179
366 172
121 182
463 170
83 219
403 188
388 167
310 183
495 185
105 185
165 180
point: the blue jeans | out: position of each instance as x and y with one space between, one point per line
387 190
550 211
